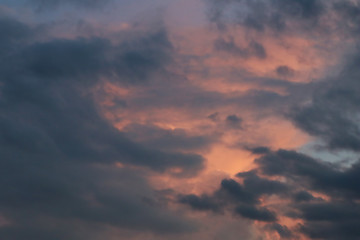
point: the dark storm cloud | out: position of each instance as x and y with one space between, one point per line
139 59
333 113
235 191
303 196
334 220
340 213
258 150
58 153
260 16
301 8
36 198
315 174
301 175
259 214
12 31
241 199
334 212
50 80
325 230
259 186
201 203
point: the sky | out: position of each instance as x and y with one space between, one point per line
179 119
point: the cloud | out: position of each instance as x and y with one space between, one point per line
276 15
299 172
259 186
258 150
254 49
283 231
284 71
260 214
241 199
201 203
234 121
59 153
52 4
55 77
321 195
350 11
14 32
303 8
332 114
165 139
303 196
95 124
214 117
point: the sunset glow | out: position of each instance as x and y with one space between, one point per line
179 119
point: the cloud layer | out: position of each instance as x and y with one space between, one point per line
120 120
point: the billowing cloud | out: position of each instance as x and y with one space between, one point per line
128 120
320 195
333 113
60 155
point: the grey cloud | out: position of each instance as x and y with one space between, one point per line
328 230
59 154
282 230
50 82
340 213
260 214
138 59
237 192
315 174
302 8
300 174
331 220
241 199
201 203
259 186
254 49
200 103
234 121
14 32
303 196
258 150
214 117
284 71
333 112
350 11
274 15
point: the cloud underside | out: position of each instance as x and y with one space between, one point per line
80 150
59 154
321 196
